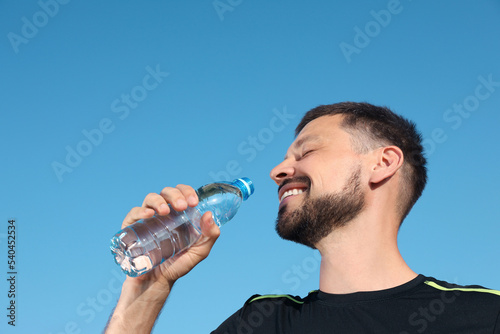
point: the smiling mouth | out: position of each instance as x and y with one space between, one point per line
291 192
293 187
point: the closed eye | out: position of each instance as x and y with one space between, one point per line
306 153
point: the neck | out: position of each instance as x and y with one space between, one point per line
362 257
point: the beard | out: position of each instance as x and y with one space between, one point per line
319 216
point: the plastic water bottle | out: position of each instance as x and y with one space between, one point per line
140 247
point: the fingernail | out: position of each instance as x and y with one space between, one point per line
192 200
181 203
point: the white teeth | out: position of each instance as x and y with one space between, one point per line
290 193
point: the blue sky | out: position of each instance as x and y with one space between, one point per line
103 103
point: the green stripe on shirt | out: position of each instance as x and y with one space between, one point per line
439 287
277 296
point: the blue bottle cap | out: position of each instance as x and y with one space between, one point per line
245 185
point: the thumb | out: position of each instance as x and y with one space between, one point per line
209 229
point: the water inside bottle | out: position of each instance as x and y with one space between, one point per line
139 248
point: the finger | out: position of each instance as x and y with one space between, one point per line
201 249
181 264
178 197
189 193
136 214
209 229
156 202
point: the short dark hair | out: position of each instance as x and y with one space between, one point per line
373 126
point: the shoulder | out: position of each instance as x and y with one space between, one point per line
464 306
264 312
466 290
275 303
279 298
476 300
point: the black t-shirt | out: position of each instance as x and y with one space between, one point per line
423 305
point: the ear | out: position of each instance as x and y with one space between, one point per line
387 162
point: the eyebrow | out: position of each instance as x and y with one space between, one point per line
303 140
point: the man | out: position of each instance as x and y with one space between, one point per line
346 184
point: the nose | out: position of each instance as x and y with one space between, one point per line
282 171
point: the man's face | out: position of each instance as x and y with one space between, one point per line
320 182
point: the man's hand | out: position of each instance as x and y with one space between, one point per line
142 297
